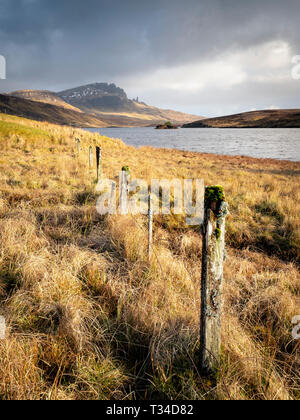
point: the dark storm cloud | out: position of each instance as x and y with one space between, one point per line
59 44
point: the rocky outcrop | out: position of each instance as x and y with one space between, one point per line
166 126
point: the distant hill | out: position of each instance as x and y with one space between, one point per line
47 112
284 118
111 104
107 103
43 96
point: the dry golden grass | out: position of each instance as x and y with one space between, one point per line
89 318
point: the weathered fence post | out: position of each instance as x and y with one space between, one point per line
150 226
112 207
213 254
91 157
77 141
2 328
99 162
124 190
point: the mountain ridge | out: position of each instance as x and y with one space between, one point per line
110 104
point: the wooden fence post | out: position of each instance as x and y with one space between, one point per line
91 157
99 162
124 190
112 207
78 145
150 226
213 254
2 328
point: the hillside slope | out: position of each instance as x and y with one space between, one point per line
46 112
89 318
284 118
111 104
43 96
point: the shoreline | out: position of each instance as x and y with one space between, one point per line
208 154
249 159
211 155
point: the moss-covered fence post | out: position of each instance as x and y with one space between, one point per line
99 162
213 255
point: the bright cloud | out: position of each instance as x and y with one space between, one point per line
268 62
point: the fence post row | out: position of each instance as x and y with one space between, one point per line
213 254
99 162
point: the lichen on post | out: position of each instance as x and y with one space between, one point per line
213 253
126 169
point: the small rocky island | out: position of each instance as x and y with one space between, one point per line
167 126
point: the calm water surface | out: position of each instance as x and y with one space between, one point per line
256 142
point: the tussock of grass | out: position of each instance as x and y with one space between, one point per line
89 318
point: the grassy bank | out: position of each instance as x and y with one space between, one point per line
88 317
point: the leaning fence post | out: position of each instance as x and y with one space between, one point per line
99 162
150 226
91 160
213 253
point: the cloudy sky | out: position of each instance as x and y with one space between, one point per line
207 57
